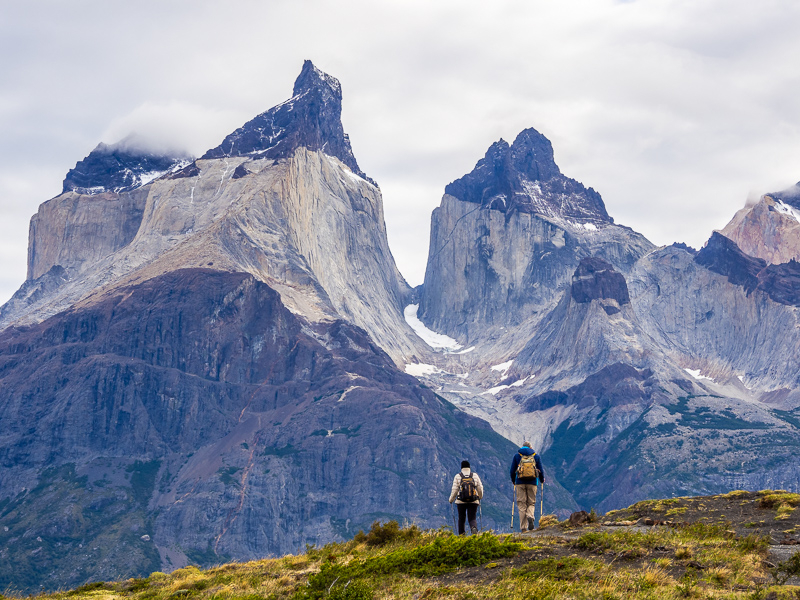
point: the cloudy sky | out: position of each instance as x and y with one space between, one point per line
675 111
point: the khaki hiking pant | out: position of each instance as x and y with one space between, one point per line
526 503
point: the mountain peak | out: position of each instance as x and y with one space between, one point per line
770 228
311 118
119 167
312 78
533 155
524 177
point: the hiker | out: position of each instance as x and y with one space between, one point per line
526 470
467 492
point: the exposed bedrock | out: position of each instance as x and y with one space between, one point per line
508 236
769 229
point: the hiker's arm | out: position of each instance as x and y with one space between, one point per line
513 471
454 489
539 467
479 485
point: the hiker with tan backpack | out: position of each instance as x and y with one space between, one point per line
526 471
467 492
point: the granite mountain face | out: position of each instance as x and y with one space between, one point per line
302 221
507 237
311 119
217 358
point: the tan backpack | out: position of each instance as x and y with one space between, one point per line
527 467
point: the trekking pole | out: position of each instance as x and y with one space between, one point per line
541 504
480 510
513 502
453 512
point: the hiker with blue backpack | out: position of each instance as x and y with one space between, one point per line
467 492
526 471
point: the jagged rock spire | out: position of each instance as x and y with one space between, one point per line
523 176
311 118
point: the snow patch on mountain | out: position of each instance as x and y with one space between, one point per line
433 339
467 351
422 369
787 210
697 375
499 388
503 367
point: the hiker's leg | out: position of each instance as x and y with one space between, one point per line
522 505
472 513
462 515
531 497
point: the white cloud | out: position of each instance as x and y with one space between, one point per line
673 110
175 127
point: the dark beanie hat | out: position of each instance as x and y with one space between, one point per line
465 464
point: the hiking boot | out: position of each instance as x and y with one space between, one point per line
531 524
474 530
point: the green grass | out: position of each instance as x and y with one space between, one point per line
570 568
445 553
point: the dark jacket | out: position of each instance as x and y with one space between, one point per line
515 463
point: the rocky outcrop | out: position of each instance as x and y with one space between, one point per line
507 238
780 282
595 279
310 119
76 231
770 229
722 256
524 177
33 291
593 328
731 315
120 167
195 409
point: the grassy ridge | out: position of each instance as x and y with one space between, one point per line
689 560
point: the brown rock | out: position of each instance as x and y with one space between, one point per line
578 518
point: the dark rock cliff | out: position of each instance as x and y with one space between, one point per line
311 118
525 177
117 168
723 256
596 279
196 410
780 282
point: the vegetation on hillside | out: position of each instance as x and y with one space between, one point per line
602 559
